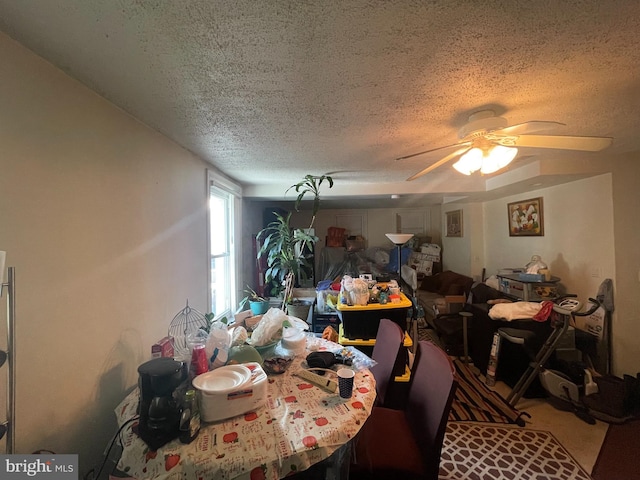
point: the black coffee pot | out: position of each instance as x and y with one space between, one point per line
159 382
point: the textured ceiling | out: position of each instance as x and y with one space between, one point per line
270 91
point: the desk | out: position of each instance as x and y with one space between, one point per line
300 425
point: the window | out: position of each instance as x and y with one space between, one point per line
224 212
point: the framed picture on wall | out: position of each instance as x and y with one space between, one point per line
526 218
454 223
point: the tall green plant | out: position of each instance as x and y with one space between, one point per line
284 248
310 184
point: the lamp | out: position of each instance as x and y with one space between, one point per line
399 239
486 160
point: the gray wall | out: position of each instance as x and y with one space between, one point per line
104 221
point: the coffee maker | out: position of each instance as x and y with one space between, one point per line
159 382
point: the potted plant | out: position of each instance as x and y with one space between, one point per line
258 304
285 246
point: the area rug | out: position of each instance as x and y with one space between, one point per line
619 453
429 334
474 401
477 451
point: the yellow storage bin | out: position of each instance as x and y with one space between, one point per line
361 321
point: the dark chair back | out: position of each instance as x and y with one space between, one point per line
433 386
389 340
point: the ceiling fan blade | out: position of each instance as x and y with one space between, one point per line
442 161
562 142
460 144
528 127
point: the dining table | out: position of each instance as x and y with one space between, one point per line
299 426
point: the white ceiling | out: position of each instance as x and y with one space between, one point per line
269 91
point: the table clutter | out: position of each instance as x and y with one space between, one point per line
251 400
231 390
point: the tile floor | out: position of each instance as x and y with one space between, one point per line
582 440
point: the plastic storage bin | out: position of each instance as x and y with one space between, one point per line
361 321
401 366
324 320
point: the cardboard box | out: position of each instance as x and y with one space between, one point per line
421 263
431 252
354 244
163 348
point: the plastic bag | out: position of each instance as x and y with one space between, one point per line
345 289
218 345
359 360
269 329
535 265
354 291
359 292
239 336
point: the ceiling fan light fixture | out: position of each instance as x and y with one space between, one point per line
498 157
487 143
469 162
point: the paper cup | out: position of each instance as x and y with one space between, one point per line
345 382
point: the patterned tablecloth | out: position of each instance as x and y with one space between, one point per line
300 425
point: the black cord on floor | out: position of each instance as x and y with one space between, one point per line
106 457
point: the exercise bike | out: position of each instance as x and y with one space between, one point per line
562 388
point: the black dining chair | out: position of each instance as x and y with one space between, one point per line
407 443
387 349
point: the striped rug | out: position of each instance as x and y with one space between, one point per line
475 402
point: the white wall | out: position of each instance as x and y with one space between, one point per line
378 221
464 254
104 221
578 242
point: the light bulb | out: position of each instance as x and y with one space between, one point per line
499 157
469 162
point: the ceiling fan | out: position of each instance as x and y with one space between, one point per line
487 143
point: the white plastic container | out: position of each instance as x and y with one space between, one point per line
231 390
294 339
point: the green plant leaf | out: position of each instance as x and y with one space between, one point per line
283 245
